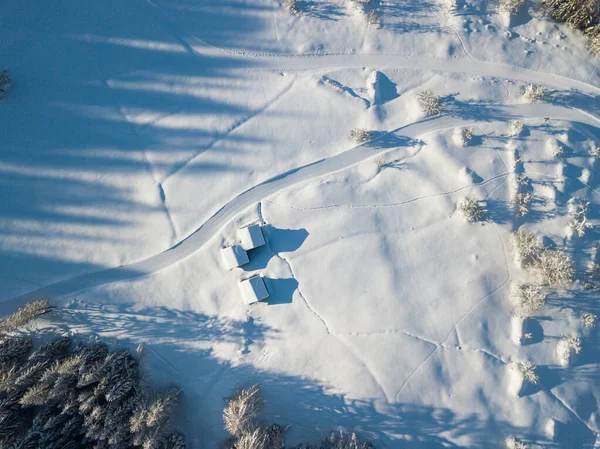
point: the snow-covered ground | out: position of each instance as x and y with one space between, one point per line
141 135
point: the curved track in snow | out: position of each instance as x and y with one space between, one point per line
397 138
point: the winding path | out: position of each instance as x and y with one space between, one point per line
399 137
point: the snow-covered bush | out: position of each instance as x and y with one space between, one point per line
589 320
5 82
24 315
511 6
522 202
555 148
463 136
556 268
513 443
568 345
534 93
241 411
595 151
579 223
516 127
471 209
292 6
527 370
528 246
69 396
358 4
360 135
429 103
577 13
528 299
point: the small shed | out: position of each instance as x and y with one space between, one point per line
254 289
234 256
251 237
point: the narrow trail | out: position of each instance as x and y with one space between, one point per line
404 136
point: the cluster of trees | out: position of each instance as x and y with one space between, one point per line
241 417
580 14
66 395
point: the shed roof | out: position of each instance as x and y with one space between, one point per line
234 256
254 289
251 236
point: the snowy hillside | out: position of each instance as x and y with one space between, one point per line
138 137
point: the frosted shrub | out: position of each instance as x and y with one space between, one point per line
292 6
343 440
5 82
595 151
511 6
521 179
555 148
579 223
527 371
24 315
516 127
593 37
556 268
239 415
372 19
589 320
358 4
359 135
513 443
534 93
568 345
471 209
577 13
522 203
528 299
528 246
429 103
251 439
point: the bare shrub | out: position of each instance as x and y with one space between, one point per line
291 6
471 209
380 163
241 411
5 82
511 6
578 13
568 345
527 370
535 93
464 136
24 315
528 299
556 268
429 103
528 246
522 203
513 443
579 222
360 135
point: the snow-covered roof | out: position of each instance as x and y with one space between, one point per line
251 236
254 289
234 256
